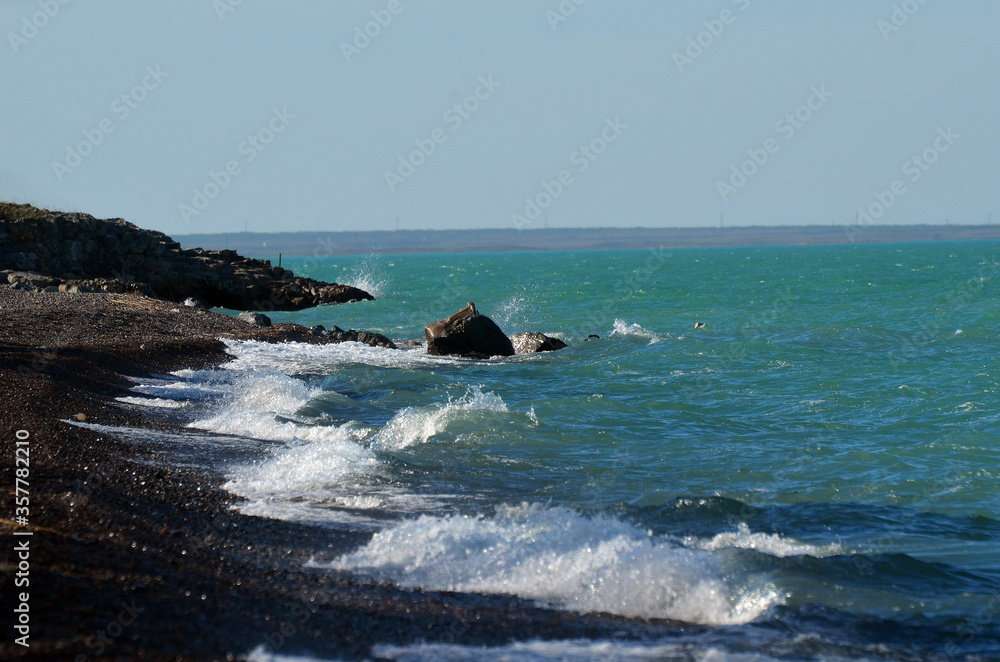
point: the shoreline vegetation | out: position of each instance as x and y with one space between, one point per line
268 244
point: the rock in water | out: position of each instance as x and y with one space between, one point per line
375 340
467 333
255 319
527 343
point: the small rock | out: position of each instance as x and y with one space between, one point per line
699 325
79 417
339 335
375 340
255 319
528 343
317 330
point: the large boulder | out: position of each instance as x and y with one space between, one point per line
467 333
527 343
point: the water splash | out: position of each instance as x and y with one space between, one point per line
416 425
623 328
371 276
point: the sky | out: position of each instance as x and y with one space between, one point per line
206 116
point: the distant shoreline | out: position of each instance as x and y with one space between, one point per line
269 244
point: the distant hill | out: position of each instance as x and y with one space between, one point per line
269 244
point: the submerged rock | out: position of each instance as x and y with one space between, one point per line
467 333
338 335
375 340
528 343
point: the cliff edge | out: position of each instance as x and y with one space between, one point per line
77 252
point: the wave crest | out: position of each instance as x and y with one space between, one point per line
560 557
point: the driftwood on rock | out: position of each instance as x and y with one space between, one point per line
467 333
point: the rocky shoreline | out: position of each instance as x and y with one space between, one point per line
74 252
136 557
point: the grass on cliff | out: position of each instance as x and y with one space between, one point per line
11 211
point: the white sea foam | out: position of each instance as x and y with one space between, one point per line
623 328
768 543
181 389
565 650
265 654
312 467
162 403
294 358
562 558
416 425
255 404
561 651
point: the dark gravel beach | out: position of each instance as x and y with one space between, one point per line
132 557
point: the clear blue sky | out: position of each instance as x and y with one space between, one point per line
125 109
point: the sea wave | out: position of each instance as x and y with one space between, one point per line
573 650
767 543
311 467
415 425
562 558
624 329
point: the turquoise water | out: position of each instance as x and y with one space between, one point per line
813 474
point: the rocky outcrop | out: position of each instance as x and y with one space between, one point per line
35 282
528 343
116 256
338 335
467 333
255 319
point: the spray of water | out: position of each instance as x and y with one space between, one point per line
371 276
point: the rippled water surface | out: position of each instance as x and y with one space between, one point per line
813 474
